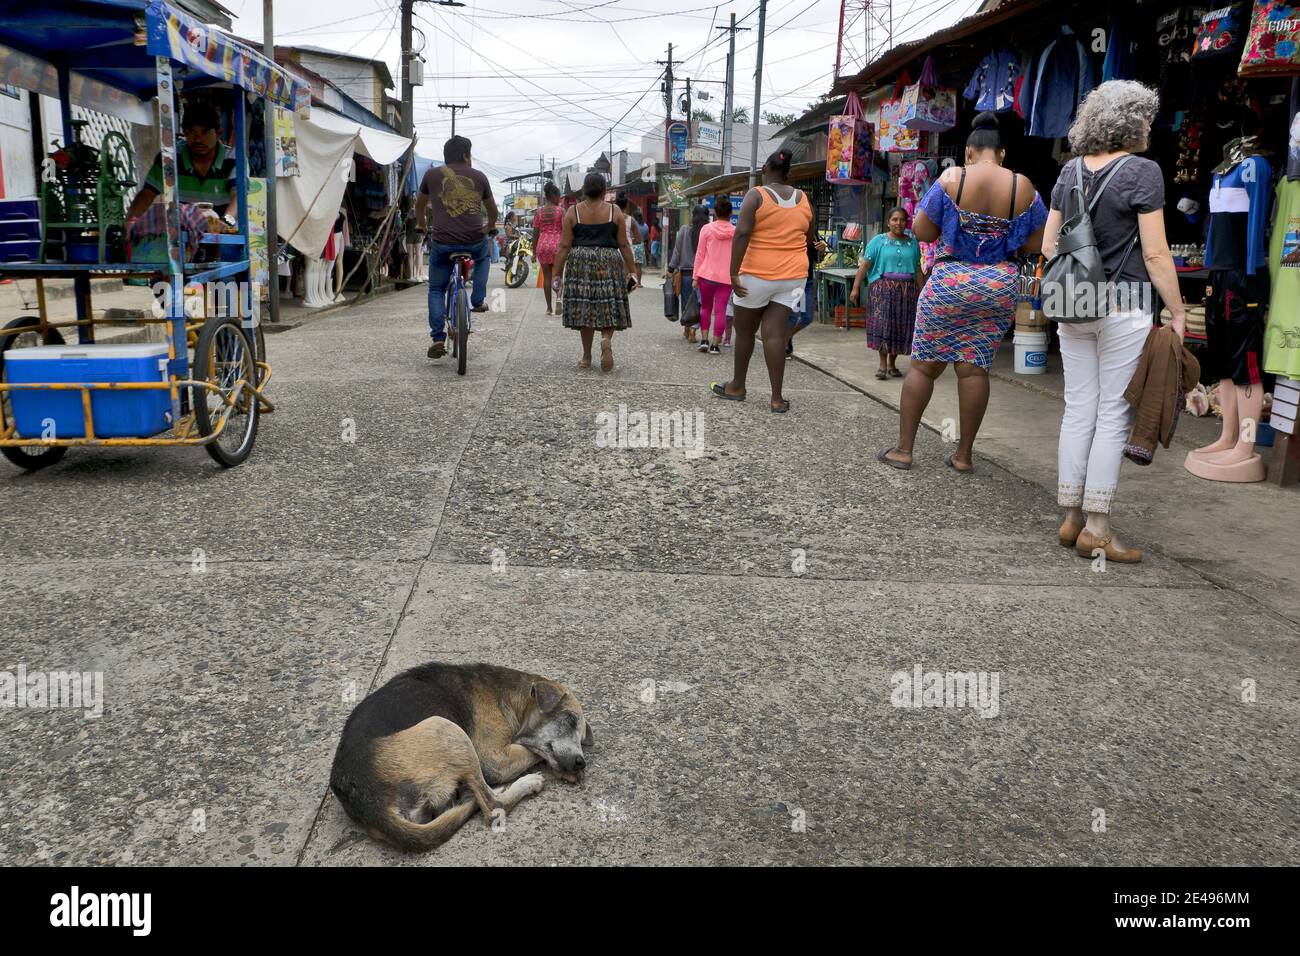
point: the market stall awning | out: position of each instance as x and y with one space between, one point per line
307 204
114 42
905 53
734 182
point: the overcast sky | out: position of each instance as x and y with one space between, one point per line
549 78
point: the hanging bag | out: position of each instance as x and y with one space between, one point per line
1222 32
1074 278
848 146
1273 43
891 135
926 105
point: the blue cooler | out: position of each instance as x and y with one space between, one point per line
129 413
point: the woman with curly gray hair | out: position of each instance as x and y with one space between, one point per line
1101 355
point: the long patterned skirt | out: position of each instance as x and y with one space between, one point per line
964 312
891 314
595 289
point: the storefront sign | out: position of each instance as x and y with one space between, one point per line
670 190
709 134
286 144
677 136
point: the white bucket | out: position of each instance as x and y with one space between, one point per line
1031 353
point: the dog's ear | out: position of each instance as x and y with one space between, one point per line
547 695
587 740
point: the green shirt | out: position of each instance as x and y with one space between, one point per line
215 187
1282 339
887 254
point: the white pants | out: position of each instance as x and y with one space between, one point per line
1100 358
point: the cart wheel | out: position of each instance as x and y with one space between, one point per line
224 358
23 333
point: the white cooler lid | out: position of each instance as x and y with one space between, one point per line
47 352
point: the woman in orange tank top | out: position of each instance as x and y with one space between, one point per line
769 267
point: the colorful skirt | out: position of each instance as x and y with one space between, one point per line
595 289
964 311
891 314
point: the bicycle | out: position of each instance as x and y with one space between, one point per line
462 270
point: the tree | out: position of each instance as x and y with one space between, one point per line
778 119
740 115
703 116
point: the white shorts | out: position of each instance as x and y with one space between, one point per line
786 292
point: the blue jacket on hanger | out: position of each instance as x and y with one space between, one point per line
1062 78
993 84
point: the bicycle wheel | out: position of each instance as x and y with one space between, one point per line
224 358
22 333
462 330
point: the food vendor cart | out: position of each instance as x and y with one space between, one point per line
205 385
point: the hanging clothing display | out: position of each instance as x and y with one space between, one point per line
993 84
1062 76
1121 53
1293 143
1282 340
1239 201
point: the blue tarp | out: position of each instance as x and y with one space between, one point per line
419 167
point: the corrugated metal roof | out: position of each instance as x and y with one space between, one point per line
903 54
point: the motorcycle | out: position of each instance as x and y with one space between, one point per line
516 261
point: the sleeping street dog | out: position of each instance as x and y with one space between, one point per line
420 755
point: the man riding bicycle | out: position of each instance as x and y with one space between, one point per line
454 194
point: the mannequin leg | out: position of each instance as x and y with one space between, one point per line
1231 424
1248 406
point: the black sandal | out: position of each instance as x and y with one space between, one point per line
900 465
720 389
782 408
961 471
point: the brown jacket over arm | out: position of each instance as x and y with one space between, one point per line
1165 374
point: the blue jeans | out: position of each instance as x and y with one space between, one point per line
440 278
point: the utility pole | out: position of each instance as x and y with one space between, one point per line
408 92
272 223
729 99
668 97
454 107
758 94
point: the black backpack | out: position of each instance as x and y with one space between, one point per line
1077 262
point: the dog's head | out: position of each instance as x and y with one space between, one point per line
555 729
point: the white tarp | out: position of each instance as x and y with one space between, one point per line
308 204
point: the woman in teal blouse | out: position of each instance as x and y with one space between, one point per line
891 264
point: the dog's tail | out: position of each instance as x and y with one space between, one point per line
423 837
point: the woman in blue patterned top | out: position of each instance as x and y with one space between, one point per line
983 216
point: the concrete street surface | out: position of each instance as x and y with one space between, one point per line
741 619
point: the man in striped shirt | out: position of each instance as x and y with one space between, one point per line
206 170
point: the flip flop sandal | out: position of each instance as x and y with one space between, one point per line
961 471
895 373
720 389
900 465
881 374
782 408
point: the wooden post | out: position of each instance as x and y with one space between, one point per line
1284 469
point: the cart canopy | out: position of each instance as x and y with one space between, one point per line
113 42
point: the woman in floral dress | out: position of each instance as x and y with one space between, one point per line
548 225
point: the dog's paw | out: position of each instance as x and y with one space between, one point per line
572 779
530 784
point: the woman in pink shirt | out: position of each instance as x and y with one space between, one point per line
712 276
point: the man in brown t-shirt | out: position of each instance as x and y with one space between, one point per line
454 196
